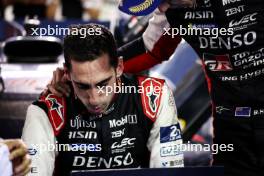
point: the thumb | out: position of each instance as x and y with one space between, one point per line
163 7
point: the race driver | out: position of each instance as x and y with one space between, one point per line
96 129
233 64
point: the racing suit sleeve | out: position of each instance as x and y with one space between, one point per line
158 45
39 137
165 136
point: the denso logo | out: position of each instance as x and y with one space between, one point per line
99 162
126 142
225 2
229 43
244 20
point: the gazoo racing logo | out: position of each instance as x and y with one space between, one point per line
245 21
125 143
217 62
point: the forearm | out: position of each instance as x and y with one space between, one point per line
165 140
152 48
38 135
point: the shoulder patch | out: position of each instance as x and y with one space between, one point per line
56 111
151 93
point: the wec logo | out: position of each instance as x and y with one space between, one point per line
126 142
244 20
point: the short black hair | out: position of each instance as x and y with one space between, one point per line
79 48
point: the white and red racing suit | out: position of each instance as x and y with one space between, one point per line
139 129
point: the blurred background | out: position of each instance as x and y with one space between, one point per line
27 63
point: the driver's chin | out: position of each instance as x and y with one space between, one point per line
96 109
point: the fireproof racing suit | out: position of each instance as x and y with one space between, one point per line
234 67
139 129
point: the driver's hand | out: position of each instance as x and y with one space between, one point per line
18 156
58 84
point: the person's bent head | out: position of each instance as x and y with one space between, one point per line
92 64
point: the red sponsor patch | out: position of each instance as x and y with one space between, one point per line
151 95
56 111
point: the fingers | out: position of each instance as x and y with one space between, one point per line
19 156
11 143
65 78
58 84
163 7
45 92
24 173
16 147
58 74
24 167
63 88
18 151
54 91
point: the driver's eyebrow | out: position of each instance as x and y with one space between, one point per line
97 84
103 81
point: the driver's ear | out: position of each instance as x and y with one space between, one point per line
120 67
66 72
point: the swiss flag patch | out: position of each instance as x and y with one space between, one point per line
151 95
56 111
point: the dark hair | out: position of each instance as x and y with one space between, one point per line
89 47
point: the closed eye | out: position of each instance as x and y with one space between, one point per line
83 86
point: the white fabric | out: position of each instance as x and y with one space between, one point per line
166 117
38 134
155 29
5 163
